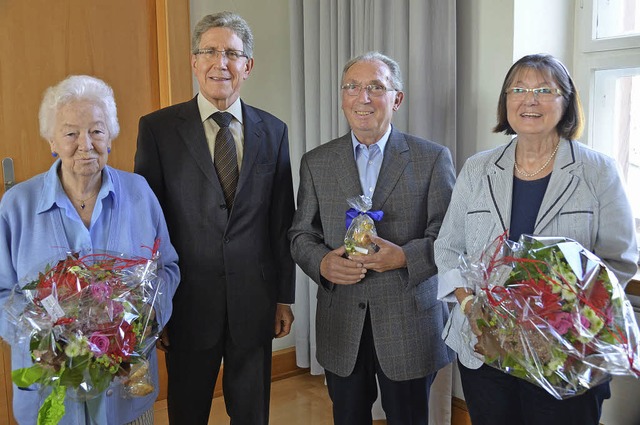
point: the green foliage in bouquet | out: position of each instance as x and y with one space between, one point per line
558 318
87 320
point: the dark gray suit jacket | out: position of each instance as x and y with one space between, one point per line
413 190
235 263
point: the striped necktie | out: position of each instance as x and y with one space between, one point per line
225 159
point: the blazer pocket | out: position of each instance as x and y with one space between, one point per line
426 294
478 229
577 225
266 168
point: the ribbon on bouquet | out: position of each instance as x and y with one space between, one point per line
353 213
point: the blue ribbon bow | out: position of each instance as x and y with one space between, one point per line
353 213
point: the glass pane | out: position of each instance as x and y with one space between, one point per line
615 131
617 18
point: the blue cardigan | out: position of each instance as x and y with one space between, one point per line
32 232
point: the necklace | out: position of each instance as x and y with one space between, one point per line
83 201
539 169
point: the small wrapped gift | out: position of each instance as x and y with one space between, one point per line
360 226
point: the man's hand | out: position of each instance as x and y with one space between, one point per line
284 319
389 257
339 270
163 341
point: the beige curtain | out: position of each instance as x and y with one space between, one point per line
325 34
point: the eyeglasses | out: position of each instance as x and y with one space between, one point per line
543 94
373 90
210 54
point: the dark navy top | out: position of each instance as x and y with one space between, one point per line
525 204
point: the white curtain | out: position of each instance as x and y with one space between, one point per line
421 36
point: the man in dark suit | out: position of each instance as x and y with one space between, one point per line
377 314
224 183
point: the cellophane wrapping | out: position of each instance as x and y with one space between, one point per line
357 240
87 320
549 311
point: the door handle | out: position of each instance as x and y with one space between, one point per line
7 172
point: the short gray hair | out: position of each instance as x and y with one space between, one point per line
396 76
74 88
229 20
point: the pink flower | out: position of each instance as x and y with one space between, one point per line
608 313
101 291
561 322
586 323
99 344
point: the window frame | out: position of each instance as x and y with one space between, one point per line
591 55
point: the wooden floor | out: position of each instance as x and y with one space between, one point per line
302 399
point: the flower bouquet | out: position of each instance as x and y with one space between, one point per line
550 312
87 321
360 226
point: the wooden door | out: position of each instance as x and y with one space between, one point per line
140 48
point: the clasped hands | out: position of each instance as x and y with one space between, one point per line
342 270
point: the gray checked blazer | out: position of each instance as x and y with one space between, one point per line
413 189
585 201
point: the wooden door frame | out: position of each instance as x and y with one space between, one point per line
174 51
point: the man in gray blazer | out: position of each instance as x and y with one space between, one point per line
377 314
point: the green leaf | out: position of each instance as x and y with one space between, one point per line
27 375
52 409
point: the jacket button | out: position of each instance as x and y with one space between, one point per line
362 305
109 392
226 240
223 206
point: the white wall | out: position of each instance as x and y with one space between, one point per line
485 52
268 86
544 26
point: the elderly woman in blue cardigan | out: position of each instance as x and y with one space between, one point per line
81 205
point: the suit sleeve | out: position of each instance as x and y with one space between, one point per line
281 215
420 252
615 242
147 159
306 234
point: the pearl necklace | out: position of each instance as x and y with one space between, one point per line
539 169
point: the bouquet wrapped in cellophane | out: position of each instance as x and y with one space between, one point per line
87 320
549 311
360 226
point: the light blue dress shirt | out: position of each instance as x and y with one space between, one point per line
369 161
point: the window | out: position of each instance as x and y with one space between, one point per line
607 73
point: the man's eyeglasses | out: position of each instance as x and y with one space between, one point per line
373 90
543 94
210 54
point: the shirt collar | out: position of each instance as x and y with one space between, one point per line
54 195
382 142
207 108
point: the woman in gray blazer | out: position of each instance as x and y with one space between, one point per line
543 182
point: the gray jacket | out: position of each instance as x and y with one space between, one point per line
585 201
413 190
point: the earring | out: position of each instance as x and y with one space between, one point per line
54 154
108 150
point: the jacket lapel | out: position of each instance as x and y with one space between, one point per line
253 134
562 184
191 131
499 182
344 167
395 160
